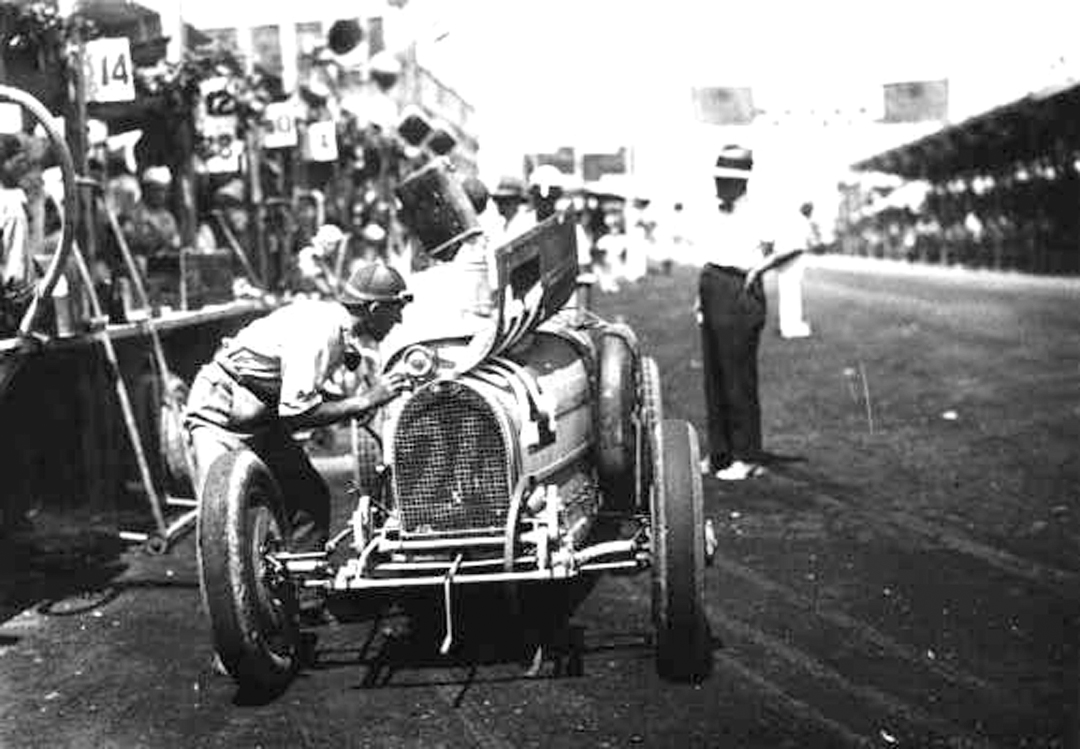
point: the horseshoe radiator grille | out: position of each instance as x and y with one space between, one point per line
451 469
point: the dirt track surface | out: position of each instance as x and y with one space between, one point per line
906 574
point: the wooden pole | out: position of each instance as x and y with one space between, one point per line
126 408
256 209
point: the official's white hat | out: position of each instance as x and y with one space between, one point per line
734 162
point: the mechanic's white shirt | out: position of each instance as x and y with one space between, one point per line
297 346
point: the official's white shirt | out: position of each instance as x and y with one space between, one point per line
736 237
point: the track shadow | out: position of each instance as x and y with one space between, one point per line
778 460
60 567
42 569
527 633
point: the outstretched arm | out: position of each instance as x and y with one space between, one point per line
770 261
333 411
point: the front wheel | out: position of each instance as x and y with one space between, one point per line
250 600
684 647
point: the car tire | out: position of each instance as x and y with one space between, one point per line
617 451
254 617
159 416
683 642
650 415
175 449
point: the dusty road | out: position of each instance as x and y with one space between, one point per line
907 574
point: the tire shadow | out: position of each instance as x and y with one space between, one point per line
45 569
521 633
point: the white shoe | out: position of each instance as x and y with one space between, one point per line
795 330
706 466
217 666
738 471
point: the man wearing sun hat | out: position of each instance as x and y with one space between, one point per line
151 228
732 315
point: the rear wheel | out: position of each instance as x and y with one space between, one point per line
616 449
650 415
684 651
250 600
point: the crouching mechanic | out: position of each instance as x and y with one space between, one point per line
272 378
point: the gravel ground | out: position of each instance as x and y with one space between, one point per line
905 574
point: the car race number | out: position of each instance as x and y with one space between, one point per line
108 70
220 147
279 125
321 141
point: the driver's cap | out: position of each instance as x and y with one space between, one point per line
374 282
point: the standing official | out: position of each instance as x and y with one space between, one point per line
732 315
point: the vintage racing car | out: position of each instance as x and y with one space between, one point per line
515 446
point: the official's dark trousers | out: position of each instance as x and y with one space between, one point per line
732 321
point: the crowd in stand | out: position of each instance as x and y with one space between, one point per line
1027 220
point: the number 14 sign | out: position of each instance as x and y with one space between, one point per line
108 70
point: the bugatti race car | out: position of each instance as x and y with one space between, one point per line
505 465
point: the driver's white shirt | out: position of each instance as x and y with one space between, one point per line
294 351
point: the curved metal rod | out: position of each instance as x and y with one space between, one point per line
70 207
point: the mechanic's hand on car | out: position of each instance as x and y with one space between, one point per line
388 387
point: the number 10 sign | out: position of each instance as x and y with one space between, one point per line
108 70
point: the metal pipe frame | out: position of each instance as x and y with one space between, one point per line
551 574
433 573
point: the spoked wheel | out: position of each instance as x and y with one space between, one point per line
684 648
251 601
650 416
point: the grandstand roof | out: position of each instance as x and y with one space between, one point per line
1041 124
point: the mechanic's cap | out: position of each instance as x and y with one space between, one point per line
734 162
374 282
546 175
157 175
373 233
329 235
509 187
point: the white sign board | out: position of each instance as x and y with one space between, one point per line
279 125
11 118
321 141
109 72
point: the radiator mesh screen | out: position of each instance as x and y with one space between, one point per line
450 463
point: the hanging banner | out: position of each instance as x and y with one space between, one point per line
279 125
108 70
320 142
